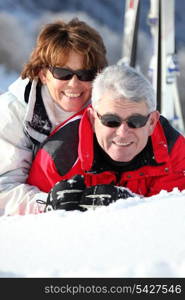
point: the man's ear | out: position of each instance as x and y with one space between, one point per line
154 118
90 112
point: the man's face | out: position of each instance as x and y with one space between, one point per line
122 143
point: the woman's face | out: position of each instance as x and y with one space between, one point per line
71 95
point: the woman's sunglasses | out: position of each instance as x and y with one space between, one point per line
113 121
66 74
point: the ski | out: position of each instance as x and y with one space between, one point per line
154 66
170 102
130 32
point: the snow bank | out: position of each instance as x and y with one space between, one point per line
129 238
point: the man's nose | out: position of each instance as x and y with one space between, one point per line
123 129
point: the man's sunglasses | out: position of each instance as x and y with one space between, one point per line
66 74
113 121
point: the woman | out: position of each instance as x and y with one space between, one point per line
55 84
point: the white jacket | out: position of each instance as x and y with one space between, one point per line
19 127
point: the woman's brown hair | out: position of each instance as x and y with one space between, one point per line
57 39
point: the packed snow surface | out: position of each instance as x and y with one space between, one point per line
129 238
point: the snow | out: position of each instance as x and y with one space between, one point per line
136 237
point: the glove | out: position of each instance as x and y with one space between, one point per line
103 194
66 194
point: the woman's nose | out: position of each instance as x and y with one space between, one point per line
73 81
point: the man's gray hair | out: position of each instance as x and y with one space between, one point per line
123 82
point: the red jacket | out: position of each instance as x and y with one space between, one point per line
71 150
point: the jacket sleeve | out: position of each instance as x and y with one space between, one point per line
176 176
15 160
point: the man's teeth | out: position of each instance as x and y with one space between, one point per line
123 144
72 95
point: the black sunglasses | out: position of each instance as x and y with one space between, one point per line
66 74
134 121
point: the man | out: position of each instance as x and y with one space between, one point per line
123 142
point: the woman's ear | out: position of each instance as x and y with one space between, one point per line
42 76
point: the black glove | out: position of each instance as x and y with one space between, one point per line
103 194
66 194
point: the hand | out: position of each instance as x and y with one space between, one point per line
66 194
103 194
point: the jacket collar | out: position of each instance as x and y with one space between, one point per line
159 144
36 120
86 144
17 88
